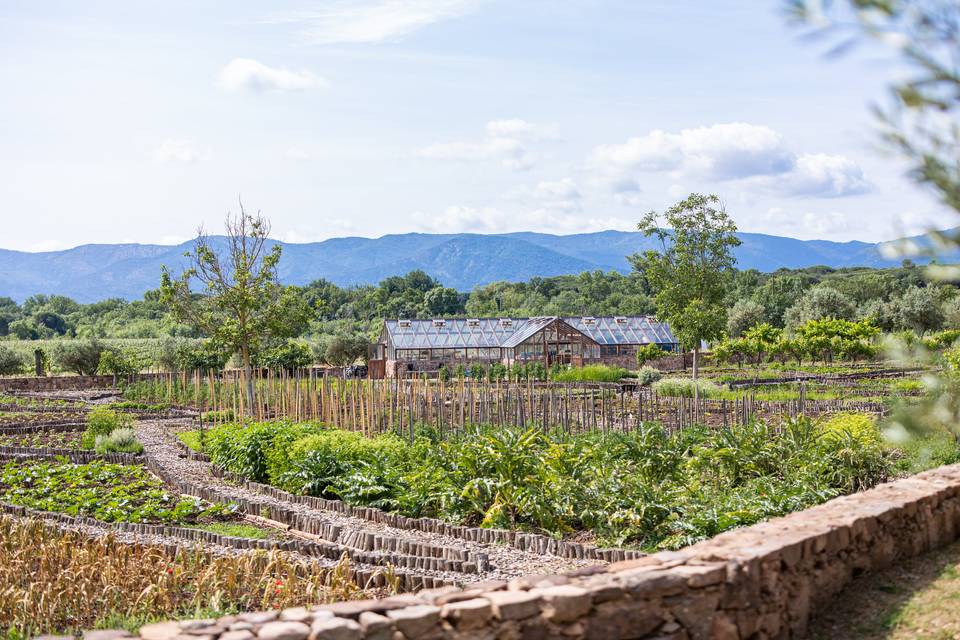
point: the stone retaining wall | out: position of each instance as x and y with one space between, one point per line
73 455
764 581
66 383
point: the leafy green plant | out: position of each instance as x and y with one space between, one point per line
118 441
647 375
684 388
103 421
591 373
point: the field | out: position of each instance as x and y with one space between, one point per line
626 466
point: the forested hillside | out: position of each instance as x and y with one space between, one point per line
894 299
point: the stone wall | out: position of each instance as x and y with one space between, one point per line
762 581
61 383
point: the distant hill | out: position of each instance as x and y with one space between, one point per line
464 260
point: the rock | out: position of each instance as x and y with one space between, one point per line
468 614
242 634
160 631
283 631
416 621
259 617
296 614
565 603
376 626
514 605
106 634
335 629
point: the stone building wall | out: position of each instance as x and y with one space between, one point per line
764 581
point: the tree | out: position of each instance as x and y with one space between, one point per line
818 303
80 356
691 269
743 315
344 350
647 353
762 338
242 306
919 310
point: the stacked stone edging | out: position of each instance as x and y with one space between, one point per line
524 541
55 427
764 581
69 383
73 455
364 577
365 546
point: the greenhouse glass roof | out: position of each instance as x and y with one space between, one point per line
508 332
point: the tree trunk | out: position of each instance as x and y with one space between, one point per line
248 373
696 387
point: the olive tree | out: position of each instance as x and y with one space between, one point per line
241 304
691 269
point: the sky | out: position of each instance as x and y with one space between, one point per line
134 121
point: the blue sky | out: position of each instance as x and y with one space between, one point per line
138 121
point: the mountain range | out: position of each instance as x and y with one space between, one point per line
463 260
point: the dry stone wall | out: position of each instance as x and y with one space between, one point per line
764 581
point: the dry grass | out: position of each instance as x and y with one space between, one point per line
52 580
917 598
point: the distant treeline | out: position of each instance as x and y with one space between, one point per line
894 299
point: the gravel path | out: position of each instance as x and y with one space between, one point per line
160 443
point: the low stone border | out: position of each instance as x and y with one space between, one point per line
524 541
400 551
763 581
56 427
73 455
363 577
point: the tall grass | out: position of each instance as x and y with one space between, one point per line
684 387
591 373
56 581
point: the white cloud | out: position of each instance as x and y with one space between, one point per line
180 150
719 152
509 151
561 195
244 74
517 128
458 218
823 175
296 153
365 21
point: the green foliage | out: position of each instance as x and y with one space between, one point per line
122 440
817 304
648 353
591 373
11 363
692 268
289 356
108 492
742 315
119 362
103 421
79 356
648 488
647 375
341 350
684 388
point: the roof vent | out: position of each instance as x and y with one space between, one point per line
589 320
439 322
473 322
506 322
620 320
404 324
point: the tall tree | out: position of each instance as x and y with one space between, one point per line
691 269
242 305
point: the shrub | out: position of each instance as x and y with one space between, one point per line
293 355
80 356
591 373
11 363
647 353
118 441
683 388
647 375
119 362
206 356
103 421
